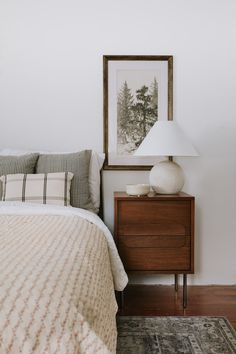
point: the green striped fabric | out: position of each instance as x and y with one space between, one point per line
17 164
77 163
48 188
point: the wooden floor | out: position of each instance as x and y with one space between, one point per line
160 300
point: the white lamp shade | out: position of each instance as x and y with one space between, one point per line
166 138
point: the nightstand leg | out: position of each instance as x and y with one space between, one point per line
121 300
176 282
185 295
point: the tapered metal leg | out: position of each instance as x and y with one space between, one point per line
185 295
176 282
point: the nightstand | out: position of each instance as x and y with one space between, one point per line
155 234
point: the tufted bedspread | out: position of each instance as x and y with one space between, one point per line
58 270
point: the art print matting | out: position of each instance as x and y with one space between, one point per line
138 91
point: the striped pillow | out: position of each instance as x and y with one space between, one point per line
44 188
18 164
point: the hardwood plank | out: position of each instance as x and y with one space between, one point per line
160 300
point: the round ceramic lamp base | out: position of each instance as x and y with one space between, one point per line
166 177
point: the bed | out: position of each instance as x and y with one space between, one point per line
59 267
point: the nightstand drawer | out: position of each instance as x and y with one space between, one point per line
153 229
154 241
157 258
155 218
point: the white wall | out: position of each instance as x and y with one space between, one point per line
51 94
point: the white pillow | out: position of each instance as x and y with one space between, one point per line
96 163
43 188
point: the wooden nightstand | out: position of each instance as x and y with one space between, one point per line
155 234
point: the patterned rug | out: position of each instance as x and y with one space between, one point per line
175 335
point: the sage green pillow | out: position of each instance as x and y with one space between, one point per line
17 164
77 163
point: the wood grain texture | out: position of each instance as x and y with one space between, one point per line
155 241
160 229
155 232
159 300
159 213
153 196
156 258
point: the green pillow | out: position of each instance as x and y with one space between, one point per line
77 163
17 164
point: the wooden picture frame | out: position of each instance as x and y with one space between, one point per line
137 91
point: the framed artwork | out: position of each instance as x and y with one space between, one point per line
138 91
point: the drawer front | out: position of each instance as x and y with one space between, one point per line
154 241
155 253
154 218
171 228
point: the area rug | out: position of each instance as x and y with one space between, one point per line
175 335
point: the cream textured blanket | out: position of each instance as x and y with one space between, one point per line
57 276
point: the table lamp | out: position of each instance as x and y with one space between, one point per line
166 138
